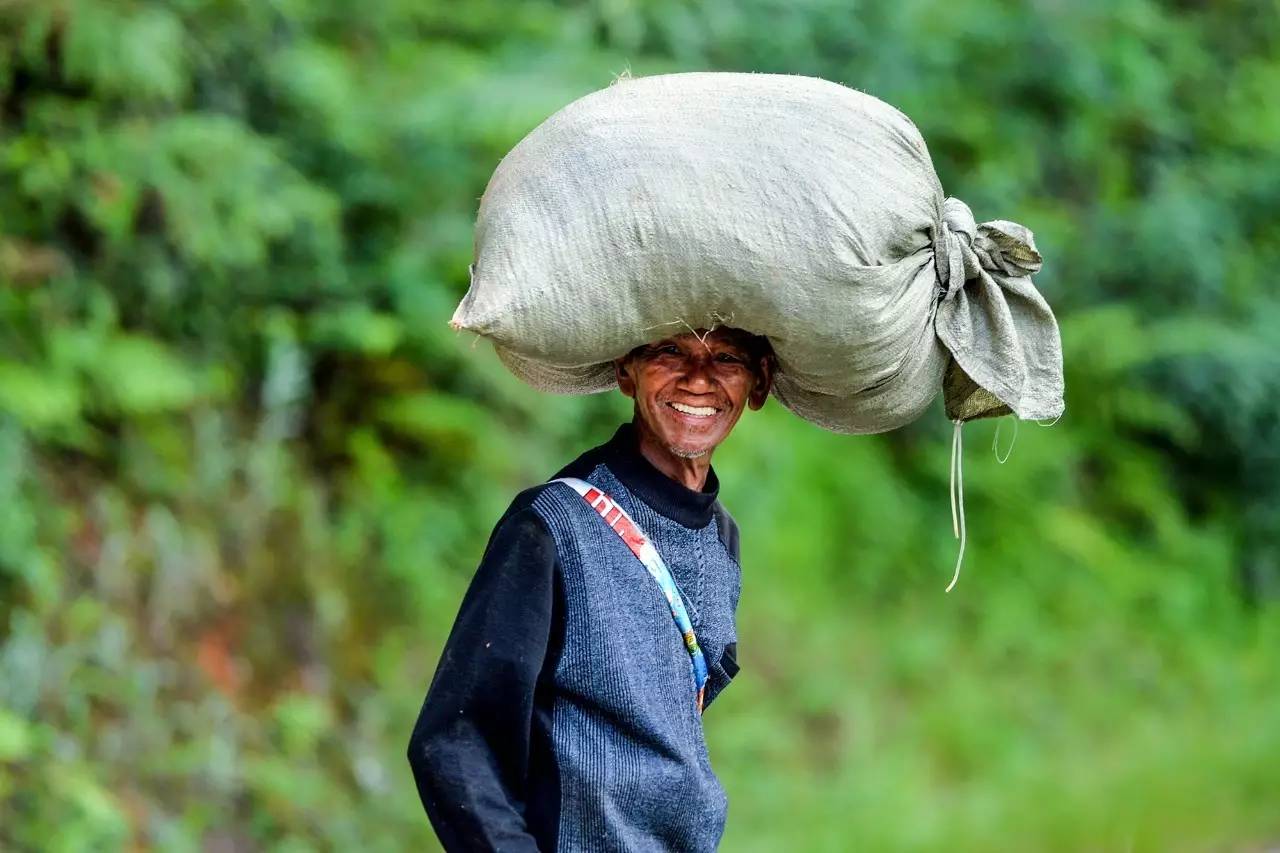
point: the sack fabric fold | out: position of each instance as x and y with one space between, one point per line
790 206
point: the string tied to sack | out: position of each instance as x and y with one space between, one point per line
957 484
957 497
996 327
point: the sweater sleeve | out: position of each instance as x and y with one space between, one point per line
470 748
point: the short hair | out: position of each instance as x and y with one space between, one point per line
758 347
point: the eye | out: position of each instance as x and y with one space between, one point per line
729 358
668 349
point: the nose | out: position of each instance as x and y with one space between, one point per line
698 375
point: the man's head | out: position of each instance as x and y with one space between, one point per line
690 389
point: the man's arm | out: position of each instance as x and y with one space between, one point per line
470 748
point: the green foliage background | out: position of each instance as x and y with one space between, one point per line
247 470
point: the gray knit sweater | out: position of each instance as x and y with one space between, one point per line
562 714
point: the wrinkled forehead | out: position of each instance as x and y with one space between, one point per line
720 339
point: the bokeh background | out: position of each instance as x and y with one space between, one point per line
247 470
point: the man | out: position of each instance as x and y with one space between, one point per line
564 712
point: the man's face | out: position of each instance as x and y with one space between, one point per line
690 389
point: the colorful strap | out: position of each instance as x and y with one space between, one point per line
625 526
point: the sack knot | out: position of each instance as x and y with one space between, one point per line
962 248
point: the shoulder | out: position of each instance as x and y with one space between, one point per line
522 526
532 508
522 505
535 507
521 509
727 528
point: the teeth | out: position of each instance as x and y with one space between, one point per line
700 411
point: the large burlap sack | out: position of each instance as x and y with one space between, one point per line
789 206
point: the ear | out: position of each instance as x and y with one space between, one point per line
626 382
764 382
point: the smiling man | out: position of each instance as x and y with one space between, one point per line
566 709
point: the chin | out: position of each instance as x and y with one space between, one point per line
691 447
687 452
684 438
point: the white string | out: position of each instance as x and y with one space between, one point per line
717 319
660 325
957 491
1052 422
702 339
955 521
995 441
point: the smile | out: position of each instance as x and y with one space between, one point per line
695 411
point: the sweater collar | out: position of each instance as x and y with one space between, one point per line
666 496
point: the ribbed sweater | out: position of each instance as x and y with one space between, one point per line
562 713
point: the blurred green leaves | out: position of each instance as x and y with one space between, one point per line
136 54
16 738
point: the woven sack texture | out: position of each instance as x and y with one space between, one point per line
790 206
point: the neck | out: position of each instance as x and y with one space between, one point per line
690 473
